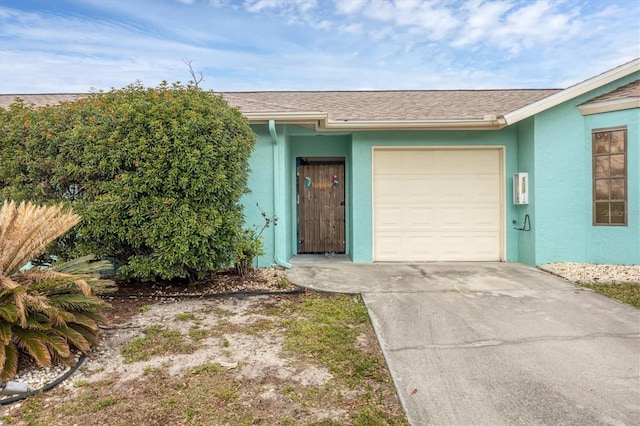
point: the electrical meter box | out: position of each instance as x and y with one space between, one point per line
521 188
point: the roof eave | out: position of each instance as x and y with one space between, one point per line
609 106
311 119
573 92
321 122
473 124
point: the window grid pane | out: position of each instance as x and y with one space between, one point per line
609 177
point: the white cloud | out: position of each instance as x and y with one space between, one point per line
349 7
382 33
438 21
295 5
537 23
430 19
354 28
483 18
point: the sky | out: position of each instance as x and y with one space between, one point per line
76 46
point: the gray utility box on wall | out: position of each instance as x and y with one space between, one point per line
521 188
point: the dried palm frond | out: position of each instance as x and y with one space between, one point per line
44 313
7 283
26 229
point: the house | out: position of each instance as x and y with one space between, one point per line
429 175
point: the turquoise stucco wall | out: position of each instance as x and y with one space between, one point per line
563 187
526 163
261 185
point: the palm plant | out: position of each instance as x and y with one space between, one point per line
44 314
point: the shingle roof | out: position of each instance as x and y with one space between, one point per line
631 90
390 105
363 105
39 99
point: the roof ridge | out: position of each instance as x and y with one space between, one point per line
387 90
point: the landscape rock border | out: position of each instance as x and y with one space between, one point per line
594 273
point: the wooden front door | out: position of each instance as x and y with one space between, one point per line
321 209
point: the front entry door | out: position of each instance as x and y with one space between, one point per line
321 210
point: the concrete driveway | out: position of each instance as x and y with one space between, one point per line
495 343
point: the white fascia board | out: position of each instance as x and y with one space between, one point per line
321 122
609 106
573 92
414 125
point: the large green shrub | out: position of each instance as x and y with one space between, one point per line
159 173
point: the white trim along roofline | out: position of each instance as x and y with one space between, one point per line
609 106
321 121
572 92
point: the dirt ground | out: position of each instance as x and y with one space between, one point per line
237 344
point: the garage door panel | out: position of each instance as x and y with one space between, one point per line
486 218
482 189
452 247
452 217
390 218
419 188
437 205
385 164
421 217
483 161
484 247
388 163
388 190
448 161
387 247
453 189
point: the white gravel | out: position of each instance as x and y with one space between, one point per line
37 377
594 273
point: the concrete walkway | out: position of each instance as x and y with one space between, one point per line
495 343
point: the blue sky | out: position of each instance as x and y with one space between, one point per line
60 46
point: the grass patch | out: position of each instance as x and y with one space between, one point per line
327 331
187 316
196 333
627 292
156 341
105 403
258 327
31 409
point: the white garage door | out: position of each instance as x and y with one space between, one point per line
437 204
